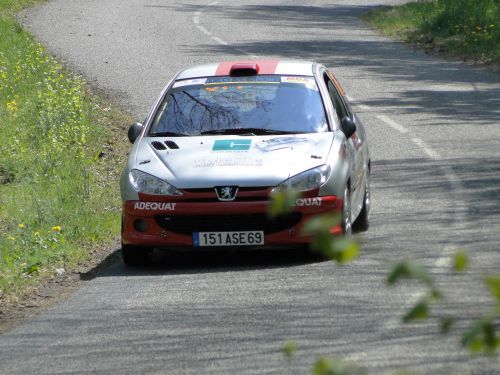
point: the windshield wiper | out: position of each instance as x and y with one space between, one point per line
247 131
168 134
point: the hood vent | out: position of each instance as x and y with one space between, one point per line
163 146
158 145
172 145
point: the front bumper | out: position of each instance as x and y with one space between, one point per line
172 224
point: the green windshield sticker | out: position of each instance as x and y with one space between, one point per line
232 145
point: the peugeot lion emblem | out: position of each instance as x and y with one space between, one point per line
226 193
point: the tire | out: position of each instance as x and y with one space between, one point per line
136 256
346 212
362 223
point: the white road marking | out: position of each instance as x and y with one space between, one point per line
358 104
220 41
204 31
426 149
445 260
196 17
393 124
197 20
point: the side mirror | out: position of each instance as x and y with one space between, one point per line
134 131
348 127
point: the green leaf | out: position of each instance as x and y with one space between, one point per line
338 249
482 337
282 202
490 336
476 345
322 243
446 325
436 294
419 312
329 366
469 337
289 349
409 269
493 282
323 366
332 366
320 224
461 261
348 250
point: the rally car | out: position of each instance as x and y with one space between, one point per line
222 138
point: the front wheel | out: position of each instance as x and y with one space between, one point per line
363 222
136 255
346 212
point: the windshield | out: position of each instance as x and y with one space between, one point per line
224 105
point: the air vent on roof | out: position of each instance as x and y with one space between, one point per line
172 145
244 69
158 145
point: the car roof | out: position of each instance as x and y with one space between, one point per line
280 67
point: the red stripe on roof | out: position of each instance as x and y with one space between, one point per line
265 66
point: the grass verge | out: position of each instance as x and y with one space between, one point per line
59 152
469 29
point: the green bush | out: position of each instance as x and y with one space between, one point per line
475 22
470 28
53 203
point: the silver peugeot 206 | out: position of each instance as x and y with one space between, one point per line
222 138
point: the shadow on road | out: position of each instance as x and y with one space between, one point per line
440 85
204 261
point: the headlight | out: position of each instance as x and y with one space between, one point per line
308 180
147 184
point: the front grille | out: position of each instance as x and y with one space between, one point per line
241 189
227 223
245 194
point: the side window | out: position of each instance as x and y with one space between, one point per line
338 103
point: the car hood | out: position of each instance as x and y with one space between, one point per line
207 161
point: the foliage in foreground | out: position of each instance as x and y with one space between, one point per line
468 28
482 337
54 204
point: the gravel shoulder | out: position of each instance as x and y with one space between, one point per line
17 309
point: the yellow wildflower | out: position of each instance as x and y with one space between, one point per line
12 106
56 228
11 238
21 226
37 234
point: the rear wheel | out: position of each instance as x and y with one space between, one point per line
136 255
363 222
346 212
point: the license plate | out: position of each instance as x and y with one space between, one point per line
247 238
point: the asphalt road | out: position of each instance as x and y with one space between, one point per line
434 132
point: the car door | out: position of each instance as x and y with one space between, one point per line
355 143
